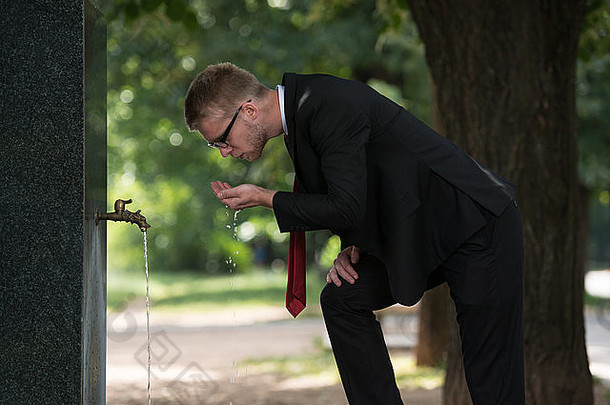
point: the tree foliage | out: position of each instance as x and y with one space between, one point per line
593 93
156 47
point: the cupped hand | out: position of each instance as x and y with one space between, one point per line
243 196
342 266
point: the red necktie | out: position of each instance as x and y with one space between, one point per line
295 291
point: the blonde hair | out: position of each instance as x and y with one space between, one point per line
218 91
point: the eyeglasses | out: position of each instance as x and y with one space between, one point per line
222 141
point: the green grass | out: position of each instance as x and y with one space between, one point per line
410 376
321 365
318 365
188 292
593 301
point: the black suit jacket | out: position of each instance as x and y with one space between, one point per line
382 180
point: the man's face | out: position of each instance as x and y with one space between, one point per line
245 140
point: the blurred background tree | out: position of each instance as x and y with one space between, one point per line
155 48
592 95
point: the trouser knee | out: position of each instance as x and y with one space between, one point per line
369 292
333 299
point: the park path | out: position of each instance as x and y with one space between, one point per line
197 359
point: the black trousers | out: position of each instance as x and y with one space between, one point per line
485 279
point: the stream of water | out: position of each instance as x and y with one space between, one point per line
148 390
232 265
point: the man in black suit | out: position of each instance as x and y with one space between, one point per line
411 208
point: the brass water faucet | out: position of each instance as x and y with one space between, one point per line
121 214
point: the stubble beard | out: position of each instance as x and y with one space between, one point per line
258 140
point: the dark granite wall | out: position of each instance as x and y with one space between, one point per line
52 179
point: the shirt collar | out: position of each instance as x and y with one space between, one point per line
280 96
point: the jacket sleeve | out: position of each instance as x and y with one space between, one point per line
338 133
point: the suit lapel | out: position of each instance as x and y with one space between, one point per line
289 83
290 97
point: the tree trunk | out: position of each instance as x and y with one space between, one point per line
433 326
456 392
505 74
434 309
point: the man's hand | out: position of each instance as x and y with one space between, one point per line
244 196
342 266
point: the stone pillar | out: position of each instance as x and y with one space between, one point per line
52 180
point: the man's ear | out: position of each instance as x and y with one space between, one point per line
250 110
